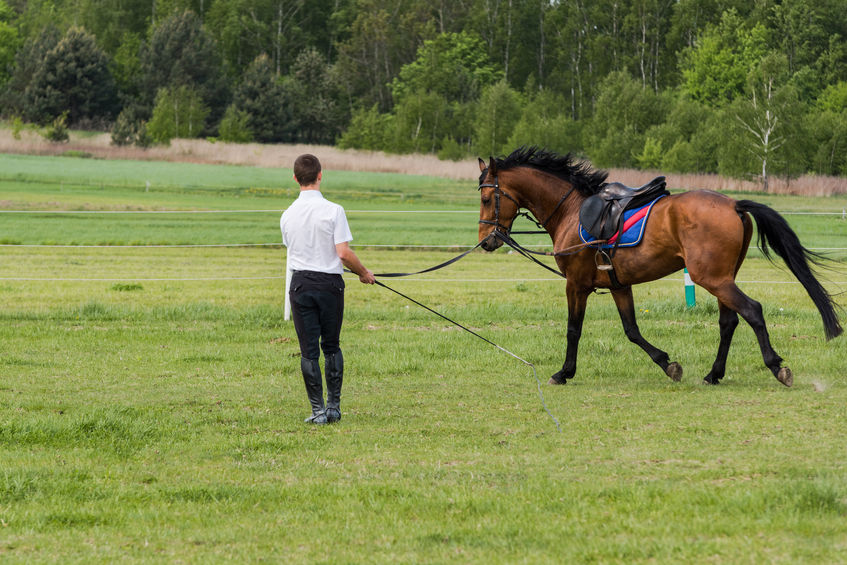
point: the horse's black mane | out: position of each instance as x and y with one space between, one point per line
580 174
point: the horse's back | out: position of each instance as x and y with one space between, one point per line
694 208
700 230
707 212
696 198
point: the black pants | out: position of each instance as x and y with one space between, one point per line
317 305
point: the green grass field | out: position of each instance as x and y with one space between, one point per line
151 405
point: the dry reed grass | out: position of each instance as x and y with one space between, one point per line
251 154
807 185
332 158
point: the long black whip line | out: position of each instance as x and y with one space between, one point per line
470 331
503 349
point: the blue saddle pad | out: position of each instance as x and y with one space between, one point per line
634 221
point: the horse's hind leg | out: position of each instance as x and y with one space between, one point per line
728 322
730 295
626 309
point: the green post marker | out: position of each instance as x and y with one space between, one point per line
690 301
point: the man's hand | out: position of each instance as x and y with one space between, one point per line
368 277
351 261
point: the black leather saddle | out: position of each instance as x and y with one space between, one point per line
601 214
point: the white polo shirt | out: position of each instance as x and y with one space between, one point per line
311 228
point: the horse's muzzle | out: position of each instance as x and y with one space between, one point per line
491 242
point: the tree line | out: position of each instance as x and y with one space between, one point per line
737 87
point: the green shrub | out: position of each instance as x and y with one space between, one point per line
143 138
650 156
451 150
234 127
179 112
681 158
130 129
57 131
124 129
17 127
368 130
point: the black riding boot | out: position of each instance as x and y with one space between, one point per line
334 376
314 389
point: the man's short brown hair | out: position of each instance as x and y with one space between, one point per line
306 169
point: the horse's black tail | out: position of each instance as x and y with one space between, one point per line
775 231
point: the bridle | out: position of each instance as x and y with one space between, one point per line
496 222
497 193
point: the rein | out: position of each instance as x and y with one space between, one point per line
430 269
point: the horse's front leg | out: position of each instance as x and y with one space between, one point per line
626 309
577 299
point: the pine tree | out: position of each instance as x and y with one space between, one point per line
74 77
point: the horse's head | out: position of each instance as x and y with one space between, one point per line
497 209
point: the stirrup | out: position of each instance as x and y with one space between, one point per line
606 264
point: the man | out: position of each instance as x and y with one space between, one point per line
317 236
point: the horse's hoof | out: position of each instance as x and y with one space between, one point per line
554 381
785 376
674 371
710 380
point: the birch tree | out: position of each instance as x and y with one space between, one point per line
765 116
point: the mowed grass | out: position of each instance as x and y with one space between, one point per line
151 411
202 204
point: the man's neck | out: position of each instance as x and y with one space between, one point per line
315 186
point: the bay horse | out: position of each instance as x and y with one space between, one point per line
704 231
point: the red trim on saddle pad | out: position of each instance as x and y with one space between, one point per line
631 222
632 229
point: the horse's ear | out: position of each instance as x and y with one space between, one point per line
492 166
481 164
